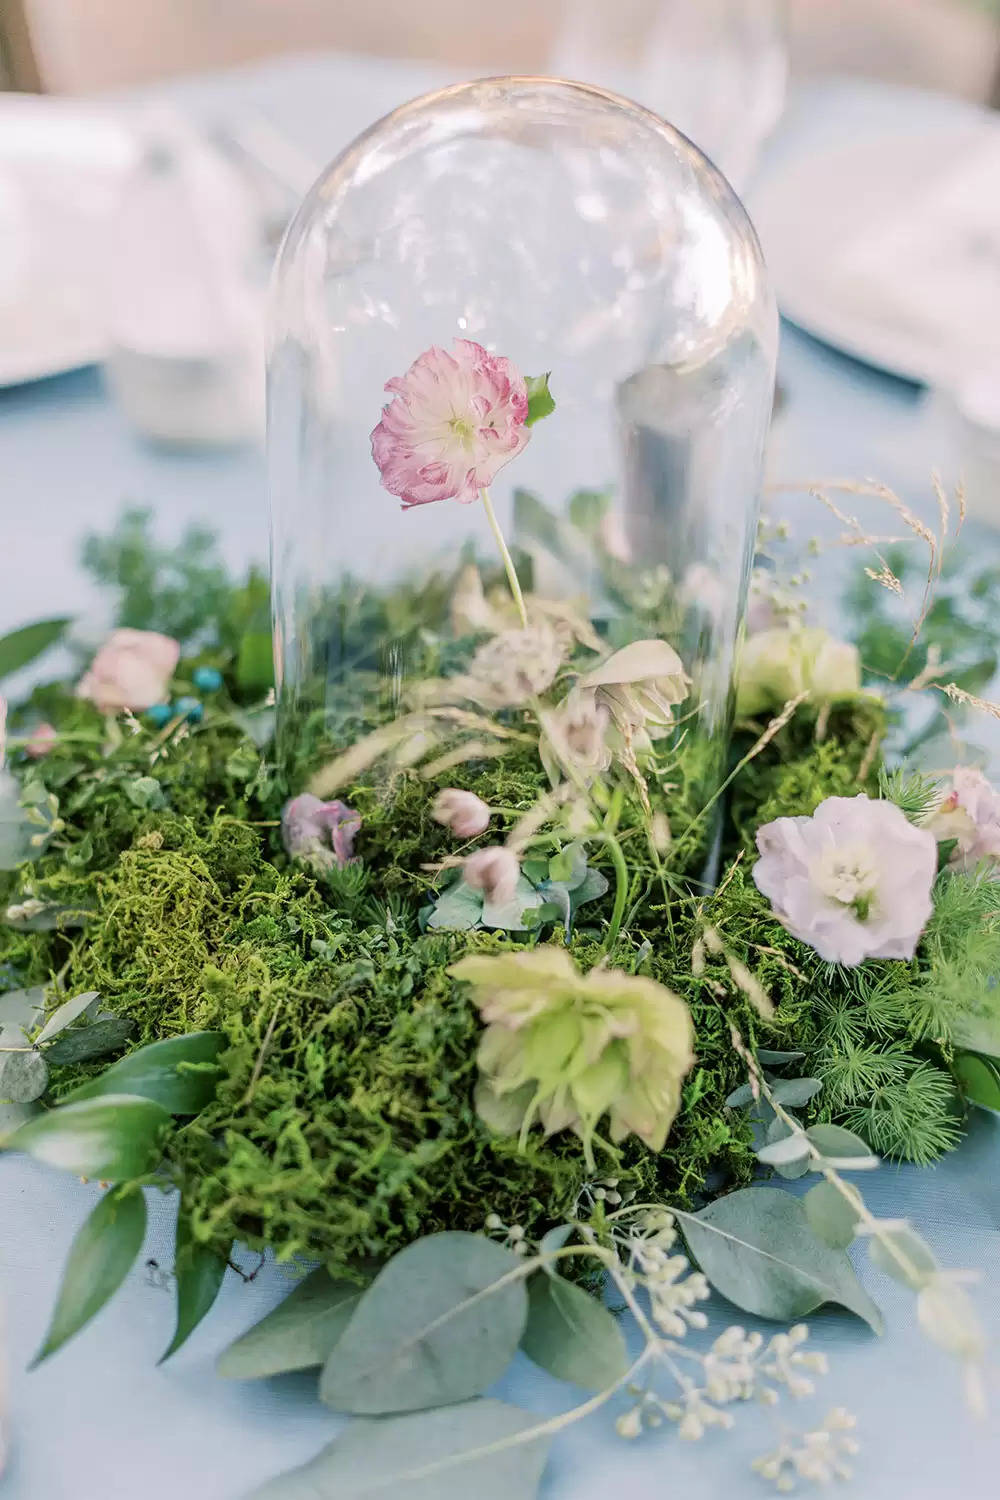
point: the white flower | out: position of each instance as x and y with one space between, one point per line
462 813
854 880
779 664
575 739
514 666
494 871
639 686
969 811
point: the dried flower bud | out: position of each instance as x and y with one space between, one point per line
462 813
494 871
320 834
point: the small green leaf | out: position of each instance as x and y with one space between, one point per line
67 1013
198 1273
979 1079
101 1256
842 1149
24 1076
769 1058
794 1092
510 915
783 1152
179 1073
757 1249
96 1039
20 1012
115 1137
452 1454
541 402
299 1334
21 647
438 1324
830 1215
457 909
902 1254
572 1335
741 1098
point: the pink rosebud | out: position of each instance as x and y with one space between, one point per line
462 813
456 420
494 871
41 742
131 670
320 834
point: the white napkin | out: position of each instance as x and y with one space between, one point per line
931 266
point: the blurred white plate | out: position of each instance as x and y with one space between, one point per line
61 170
823 216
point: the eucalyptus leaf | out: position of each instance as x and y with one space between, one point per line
299 1334
830 1215
255 662
115 1137
902 1254
67 1013
20 1013
572 1335
198 1273
785 1150
179 1073
438 1324
16 832
96 1039
979 1079
509 915
458 909
794 1092
21 647
741 1098
24 1076
756 1247
842 1148
49 917
101 1256
769 1058
450 1454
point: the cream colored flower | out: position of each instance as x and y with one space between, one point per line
567 1048
514 666
779 664
574 740
640 685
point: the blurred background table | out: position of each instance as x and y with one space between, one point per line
101 1419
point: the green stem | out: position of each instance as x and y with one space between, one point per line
614 848
508 561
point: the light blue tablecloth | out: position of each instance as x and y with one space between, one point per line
101 1421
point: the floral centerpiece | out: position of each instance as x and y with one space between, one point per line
440 1008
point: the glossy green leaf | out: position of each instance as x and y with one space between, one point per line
24 1076
572 1335
180 1073
541 402
96 1039
757 1249
438 1324
21 647
830 1215
451 1454
979 1079
198 1273
299 1334
115 1137
67 1013
101 1256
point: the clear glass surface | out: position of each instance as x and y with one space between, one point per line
571 232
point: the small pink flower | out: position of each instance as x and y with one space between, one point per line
320 834
44 738
456 420
969 812
131 670
462 813
494 871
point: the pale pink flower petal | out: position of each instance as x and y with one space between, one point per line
455 421
131 670
320 834
494 871
969 812
42 740
854 880
462 813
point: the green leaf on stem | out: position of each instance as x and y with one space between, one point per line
96 1039
541 402
179 1073
299 1334
756 1247
101 1256
116 1137
67 1013
572 1335
439 1324
902 1254
842 1149
198 1273
979 1079
24 1076
830 1215
451 1454
21 647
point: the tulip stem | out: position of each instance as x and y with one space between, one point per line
508 561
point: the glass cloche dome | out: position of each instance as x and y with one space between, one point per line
520 379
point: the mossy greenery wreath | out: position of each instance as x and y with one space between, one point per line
438 1002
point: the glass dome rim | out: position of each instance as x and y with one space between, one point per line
302 216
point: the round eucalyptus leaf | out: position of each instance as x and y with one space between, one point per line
830 1216
439 1324
24 1076
572 1335
299 1334
903 1255
842 1148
